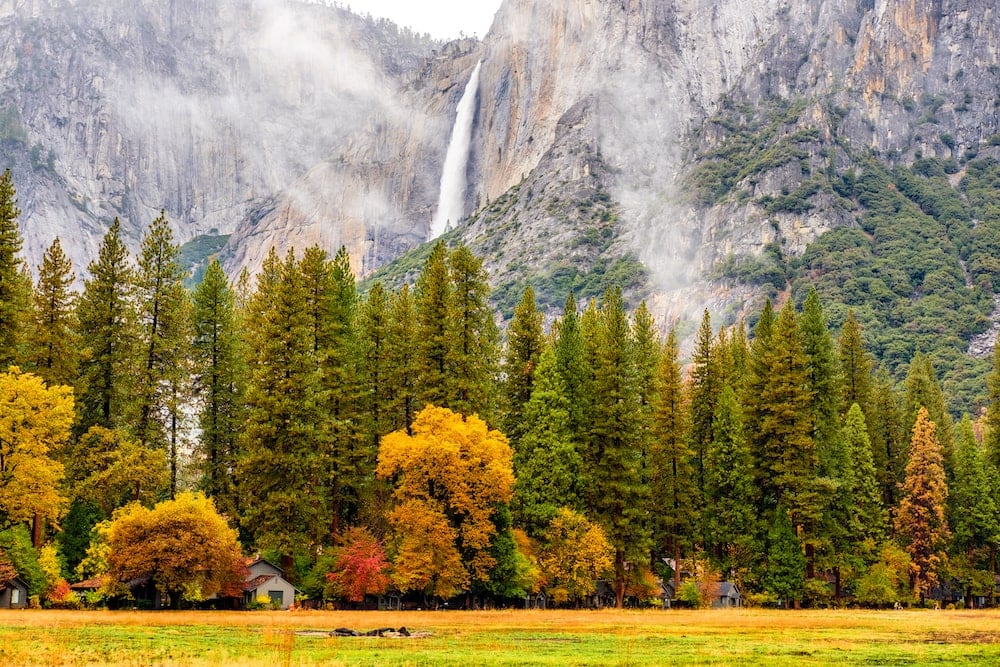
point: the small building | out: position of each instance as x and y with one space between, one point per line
723 594
265 579
87 586
667 593
14 594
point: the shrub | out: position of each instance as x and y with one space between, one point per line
689 595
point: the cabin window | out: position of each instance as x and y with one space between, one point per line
277 596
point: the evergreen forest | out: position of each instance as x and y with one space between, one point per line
400 440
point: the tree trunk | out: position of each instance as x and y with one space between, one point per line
677 567
287 564
619 580
36 531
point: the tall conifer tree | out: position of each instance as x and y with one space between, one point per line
616 494
788 452
730 493
15 292
547 463
55 351
855 364
333 312
283 466
165 325
571 361
404 360
673 503
824 382
108 332
220 381
973 516
376 369
473 349
525 343
433 300
705 387
867 518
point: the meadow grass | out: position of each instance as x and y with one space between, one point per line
605 637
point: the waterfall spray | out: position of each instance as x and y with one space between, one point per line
451 201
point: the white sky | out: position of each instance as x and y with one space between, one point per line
441 18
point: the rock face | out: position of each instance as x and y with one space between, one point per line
598 125
205 108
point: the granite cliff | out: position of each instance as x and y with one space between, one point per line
642 143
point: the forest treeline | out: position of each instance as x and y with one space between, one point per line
400 440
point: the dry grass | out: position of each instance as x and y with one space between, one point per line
501 637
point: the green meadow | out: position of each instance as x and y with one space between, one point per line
722 637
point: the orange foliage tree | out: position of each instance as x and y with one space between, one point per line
184 545
449 475
920 518
360 567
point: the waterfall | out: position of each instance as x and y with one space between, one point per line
450 208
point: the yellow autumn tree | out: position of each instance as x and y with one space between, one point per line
184 545
449 476
575 554
34 427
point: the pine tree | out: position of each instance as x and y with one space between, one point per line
108 333
992 436
733 355
855 364
473 347
220 381
646 351
788 460
867 519
705 387
887 435
403 383
332 307
824 382
784 576
376 365
616 494
165 326
673 504
55 353
283 464
547 463
920 519
433 301
525 343
729 490
15 290
974 517
571 361
753 387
